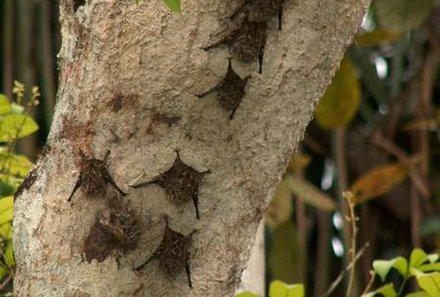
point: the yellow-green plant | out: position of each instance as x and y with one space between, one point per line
15 123
424 268
279 289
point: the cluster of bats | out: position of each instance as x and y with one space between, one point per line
119 227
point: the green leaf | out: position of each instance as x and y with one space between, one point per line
383 267
280 289
174 5
6 189
296 290
9 254
6 209
417 294
400 16
430 283
247 294
5 105
429 267
3 271
417 258
6 231
17 165
386 291
16 125
341 100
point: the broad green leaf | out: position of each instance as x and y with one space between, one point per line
16 126
285 260
383 267
430 283
400 16
174 5
386 291
296 290
9 254
17 165
6 209
247 294
417 258
280 208
309 193
429 267
278 289
5 105
341 100
378 181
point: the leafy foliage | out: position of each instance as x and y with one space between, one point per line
279 289
14 125
425 268
340 102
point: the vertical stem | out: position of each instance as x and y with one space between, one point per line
8 47
342 183
352 252
25 51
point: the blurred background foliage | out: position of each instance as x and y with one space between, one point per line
376 133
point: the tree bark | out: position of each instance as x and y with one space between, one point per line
130 86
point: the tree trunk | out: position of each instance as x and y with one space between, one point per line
131 85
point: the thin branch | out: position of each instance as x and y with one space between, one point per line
340 277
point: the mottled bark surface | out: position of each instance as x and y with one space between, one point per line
129 86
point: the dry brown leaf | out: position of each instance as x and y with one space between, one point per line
379 181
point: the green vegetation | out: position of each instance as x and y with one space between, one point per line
15 123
